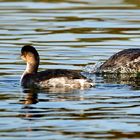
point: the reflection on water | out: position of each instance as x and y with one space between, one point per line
69 34
31 97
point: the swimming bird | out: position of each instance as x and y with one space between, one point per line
51 78
125 61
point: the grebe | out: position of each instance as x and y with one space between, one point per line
50 78
125 61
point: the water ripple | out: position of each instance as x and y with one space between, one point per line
68 34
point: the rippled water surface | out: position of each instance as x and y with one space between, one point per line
72 34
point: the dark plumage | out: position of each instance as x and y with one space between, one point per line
51 77
125 61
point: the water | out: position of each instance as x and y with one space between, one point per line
68 34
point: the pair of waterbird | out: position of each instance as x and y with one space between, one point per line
125 61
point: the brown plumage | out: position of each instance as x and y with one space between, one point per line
125 61
51 77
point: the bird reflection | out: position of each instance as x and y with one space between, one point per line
31 112
132 80
31 97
